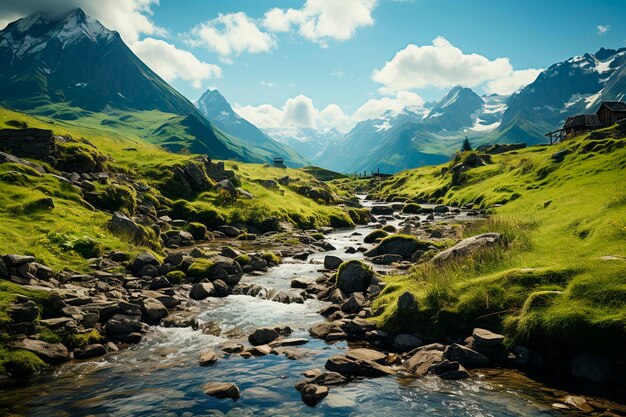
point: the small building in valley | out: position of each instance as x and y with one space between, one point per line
279 163
610 112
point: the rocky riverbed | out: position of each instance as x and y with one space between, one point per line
250 337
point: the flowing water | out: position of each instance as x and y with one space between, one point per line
161 376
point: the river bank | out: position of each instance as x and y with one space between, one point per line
162 372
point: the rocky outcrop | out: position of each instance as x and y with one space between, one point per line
466 247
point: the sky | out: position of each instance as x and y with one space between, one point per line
331 63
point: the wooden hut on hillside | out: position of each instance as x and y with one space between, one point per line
581 123
610 112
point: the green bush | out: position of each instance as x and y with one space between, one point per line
87 247
375 236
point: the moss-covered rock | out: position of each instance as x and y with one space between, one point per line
201 269
411 208
272 258
354 276
176 277
197 230
243 259
113 197
403 245
375 236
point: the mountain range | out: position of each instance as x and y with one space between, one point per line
71 67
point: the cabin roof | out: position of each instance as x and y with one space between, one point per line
582 120
616 106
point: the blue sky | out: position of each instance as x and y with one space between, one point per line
325 63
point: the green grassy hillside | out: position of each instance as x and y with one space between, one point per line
55 233
560 280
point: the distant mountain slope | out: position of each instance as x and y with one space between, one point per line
72 67
577 85
417 135
219 112
310 143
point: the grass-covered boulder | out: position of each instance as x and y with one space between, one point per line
354 276
375 236
411 208
272 258
176 277
403 245
197 230
201 269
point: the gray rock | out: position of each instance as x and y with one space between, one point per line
332 262
312 393
421 363
142 260
153 310
201 290
221 390
465 356
354 304
357 367
123 226
17 260
51 353
396 245
467 247
263 336
407 303
90 351
354 276
208 357
229 231
406 342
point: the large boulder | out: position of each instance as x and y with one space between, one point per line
51 353
354 276
467 247
263 336
142 260
221 390
312 393
465 356
403 245
153 310
421 363
123 226
201 290
332 262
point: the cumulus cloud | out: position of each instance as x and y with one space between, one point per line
300 111
513 82
440 64
172 63
231 34
131 18
322 20
603 29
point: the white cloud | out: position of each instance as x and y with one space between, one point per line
513 82
444 65
441 65
322 20
130 18
338 74
231 34
301 112
268 84
172 63
603 29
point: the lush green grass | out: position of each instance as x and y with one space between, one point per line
31 226
548 285
322 174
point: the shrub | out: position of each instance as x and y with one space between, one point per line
87 247
375 236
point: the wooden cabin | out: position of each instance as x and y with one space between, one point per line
581 123
279 163
610 112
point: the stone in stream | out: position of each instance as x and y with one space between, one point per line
402 245
90 351
328 378
354 304
288 342
365 354
221 390
465 356
311 393
357 367
263 336
260 350
421 363
354 276
467 247
328 331
208 357
51 353
299 283
231 347
406 342
201 290
332 262
578 403
153 310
